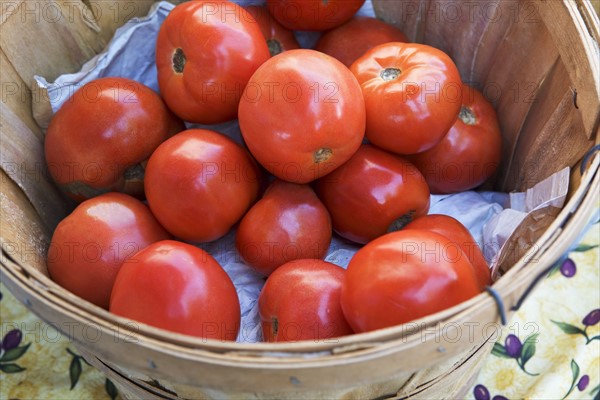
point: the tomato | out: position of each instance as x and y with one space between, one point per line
403 276
97 141
354 38
412 95
301 301
302 115
178 287
90 244
455 231
288 223
279 39
205 53
373 193
470 153
313 15
199 183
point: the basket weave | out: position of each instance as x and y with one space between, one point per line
540 57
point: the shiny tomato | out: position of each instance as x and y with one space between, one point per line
455 231
354 38
412 95
313 15
302 115
288 223
301 301
98 140
199 183
205 53
470 152
279 39
178 287
90 244
373 193
403 276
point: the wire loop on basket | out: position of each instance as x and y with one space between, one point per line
587 157
499 303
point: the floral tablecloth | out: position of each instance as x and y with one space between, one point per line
549 350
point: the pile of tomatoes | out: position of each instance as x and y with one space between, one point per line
349 139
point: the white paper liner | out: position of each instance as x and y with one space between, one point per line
131 54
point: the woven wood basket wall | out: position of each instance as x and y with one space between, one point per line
538 60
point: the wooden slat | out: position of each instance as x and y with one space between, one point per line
54 29
22 155
514 79
577 44
24 236
407 15
553 136
15 94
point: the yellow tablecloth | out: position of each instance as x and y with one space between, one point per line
549 350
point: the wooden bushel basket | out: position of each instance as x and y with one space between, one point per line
537 60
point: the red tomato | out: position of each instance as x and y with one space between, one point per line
313 15
99 138
412 95
90 244
470 152
354 38
302 115
279 39
459 234
178 287
373 193
301 301
288 223
403 276
199 183
205 53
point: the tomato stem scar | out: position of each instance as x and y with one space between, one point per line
401 221
389 74
467 116
322 155
274 47
178 61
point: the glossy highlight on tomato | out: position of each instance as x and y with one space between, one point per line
412 95
90 244
403 276
302 115
199 183
178 287
99 139
373 193
205 53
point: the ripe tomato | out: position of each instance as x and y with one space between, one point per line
205 53
178 287
403 276
279 39
313 15
90 244
199 183
470 152
373 193
302 115
354 38
288 223
97 141
459 234
301 301
412 95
